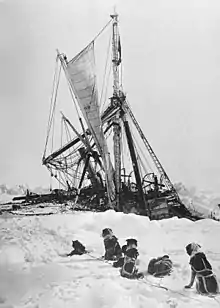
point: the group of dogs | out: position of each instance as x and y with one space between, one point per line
126 258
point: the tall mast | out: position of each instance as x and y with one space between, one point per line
141 197
115 54
116 60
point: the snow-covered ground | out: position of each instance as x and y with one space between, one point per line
32 274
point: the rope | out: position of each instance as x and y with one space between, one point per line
168 290
72 95
136 144
50 181
145 158
146 281
91 42
104 101
68 139
53 101
121 85
100 32
54 106
106 63
53 87
53 126
61 141
138 156
123 149
98 259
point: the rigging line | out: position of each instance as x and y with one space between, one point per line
66 156
110 70
100 32
65 178
71 180
141 150
146 281
106 64
55 98
60 180
54 106
104 101
50 178
91 42
121 77
52 97
123 146
52 140
138 156
68 135
74 98
144 157
72 154
52 94
61 141
51 105
126 150
62 133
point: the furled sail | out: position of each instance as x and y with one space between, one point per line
81 73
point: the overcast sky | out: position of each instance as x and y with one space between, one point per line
171 58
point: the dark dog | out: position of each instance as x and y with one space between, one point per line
201 269
79 249
112 247
129 268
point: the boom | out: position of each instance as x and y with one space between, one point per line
62 150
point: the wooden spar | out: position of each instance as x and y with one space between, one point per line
142 202
88 167
116 120
63 149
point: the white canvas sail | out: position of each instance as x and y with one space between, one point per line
81 73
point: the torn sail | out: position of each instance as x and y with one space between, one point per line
82 78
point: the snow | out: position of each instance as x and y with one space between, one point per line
7 193
33 274
203 202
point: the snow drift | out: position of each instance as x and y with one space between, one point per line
34 275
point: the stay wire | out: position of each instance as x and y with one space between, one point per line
100 32
137 145
105 71
54 106
51 104
106 88
91 42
